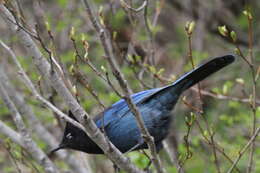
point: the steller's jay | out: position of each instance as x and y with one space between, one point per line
154 105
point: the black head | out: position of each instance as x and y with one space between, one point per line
77 139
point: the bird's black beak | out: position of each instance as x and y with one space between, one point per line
56 149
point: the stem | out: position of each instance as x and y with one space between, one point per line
253 104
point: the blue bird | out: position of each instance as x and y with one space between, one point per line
155 106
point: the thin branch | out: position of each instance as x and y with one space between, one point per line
189 30
253 74
29 144
243 150
10 133
125 5
30 85
224 97
37 126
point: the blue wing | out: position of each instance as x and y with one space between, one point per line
120 108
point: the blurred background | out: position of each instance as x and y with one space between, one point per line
152 48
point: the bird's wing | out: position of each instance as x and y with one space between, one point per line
120 108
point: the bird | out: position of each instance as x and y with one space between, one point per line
155 106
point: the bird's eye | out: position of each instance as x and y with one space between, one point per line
69 136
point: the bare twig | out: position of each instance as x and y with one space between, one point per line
124 4
29 144
10 133
243 150
224 97
253 74
37 126
151 47
220 149
189 30
7 147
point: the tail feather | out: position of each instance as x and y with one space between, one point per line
201 72
191 78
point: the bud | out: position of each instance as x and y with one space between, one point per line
103 69
72 32
225 89
114 35
233 35
248 14
39 78
189 27
187 120
240 81
152 69
74 89
223 30
123 3
83 37
101 16
237 51
193 117
71 69
160 71
47 25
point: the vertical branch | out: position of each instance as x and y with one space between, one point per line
253 102
189 30
151 48
106 43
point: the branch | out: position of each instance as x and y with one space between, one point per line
29 144
10 133
243 150
37 126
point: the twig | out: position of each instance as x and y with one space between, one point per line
220 149
124 4
7 147
243 150
10 133
189 30
224 97
37 126
253 103
29 144
30 85
151 46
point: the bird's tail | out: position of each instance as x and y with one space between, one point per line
198 74
172 92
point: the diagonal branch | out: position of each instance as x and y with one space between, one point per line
29 144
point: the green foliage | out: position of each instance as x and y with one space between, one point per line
62 3
139 159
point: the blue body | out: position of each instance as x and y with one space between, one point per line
120 123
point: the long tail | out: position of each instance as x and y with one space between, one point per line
201 72
171 93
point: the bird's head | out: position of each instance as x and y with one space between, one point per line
77 139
